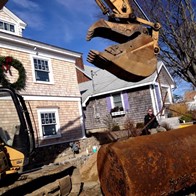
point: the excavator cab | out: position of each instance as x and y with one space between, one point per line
134 57
16 135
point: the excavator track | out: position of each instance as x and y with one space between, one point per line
51 180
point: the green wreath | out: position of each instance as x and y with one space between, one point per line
5 64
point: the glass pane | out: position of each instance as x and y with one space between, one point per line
117 100
42 76
49 130
41 65
5 26
1 25
12 28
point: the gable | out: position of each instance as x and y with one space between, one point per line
165 78
10 23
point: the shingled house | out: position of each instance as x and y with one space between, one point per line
51 92
107 95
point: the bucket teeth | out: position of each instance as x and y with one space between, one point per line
96 27
91 56
123 60
132 58
95 58
117 32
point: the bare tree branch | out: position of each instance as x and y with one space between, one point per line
177 36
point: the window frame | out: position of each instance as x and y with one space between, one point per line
112 100
9 25
113 112
50 72
48 110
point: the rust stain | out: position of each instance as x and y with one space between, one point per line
159 164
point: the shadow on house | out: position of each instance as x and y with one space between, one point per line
62 147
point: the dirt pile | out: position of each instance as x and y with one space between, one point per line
89 169
89 176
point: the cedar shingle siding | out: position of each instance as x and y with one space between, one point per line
57 96
137 97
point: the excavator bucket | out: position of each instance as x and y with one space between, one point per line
133 59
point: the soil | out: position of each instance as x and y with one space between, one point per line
90 179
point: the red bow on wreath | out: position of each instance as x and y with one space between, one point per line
6 66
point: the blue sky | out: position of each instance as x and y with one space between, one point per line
64 23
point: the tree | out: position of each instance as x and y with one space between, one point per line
177 36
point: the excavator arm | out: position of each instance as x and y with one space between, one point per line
135 55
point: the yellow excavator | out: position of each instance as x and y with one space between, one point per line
160 164
135 55
17 146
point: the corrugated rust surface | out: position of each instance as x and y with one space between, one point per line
159 164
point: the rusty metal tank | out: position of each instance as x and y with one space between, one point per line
159 164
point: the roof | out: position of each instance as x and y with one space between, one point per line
103 82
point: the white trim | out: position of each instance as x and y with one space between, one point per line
40 46
158 69
169 90
152 96
170 95
162 66
81 119
119 113
8 31
112 99
50 98
156 98
47 110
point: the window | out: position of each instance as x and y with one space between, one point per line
41 70
7 27
117 101
49 122
117 105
